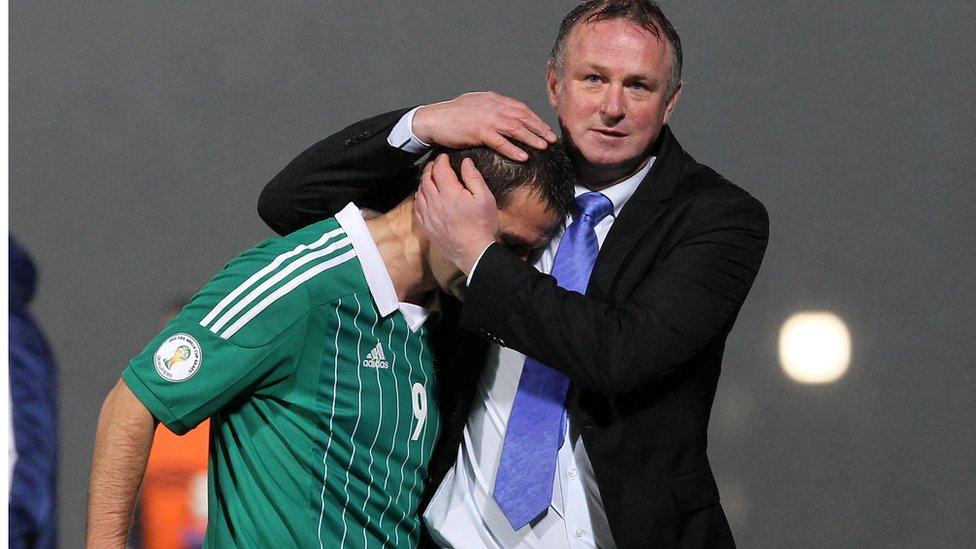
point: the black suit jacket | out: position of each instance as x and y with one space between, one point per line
643 348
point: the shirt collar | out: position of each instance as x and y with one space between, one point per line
619 193
374 270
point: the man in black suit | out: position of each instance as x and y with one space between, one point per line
640 345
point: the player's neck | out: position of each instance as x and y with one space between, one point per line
403 247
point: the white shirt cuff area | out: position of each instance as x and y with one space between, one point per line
402 136
475 266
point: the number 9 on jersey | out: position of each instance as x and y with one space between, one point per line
419 399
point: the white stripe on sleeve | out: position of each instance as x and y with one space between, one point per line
267 269
284 290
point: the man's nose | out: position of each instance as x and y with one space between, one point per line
612 107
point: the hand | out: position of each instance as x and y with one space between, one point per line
483 118
462 220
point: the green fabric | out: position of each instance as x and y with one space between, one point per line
316 433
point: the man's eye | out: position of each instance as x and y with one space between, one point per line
592 78
638 86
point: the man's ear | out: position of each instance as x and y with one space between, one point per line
672 102
552 82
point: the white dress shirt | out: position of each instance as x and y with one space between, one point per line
463 512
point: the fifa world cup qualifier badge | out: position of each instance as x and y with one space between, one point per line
178 358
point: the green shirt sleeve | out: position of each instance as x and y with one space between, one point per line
243 332
182 392
240 333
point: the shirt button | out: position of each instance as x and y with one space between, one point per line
579 533
572 472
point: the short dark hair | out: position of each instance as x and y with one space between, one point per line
547 173
646 13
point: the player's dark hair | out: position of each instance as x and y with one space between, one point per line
645 13
547 173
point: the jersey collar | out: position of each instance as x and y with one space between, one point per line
377 276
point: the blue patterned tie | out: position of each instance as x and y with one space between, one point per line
523 484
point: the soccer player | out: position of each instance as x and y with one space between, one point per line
309 354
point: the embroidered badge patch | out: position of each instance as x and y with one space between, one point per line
178 358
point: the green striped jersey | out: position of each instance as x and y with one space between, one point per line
320 385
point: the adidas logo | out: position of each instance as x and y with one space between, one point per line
376 358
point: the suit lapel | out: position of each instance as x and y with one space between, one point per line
638 214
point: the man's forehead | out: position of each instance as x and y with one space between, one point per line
590 35
618 46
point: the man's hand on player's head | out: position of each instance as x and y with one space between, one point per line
483 118
460 219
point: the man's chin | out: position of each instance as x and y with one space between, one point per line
591 156
599 154
604 157
616 163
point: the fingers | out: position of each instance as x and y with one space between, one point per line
426 180
425 175
420 207
472 179
505 147
529 120
439 179
442 177
516 121
523 129
529 137
483 118
526 127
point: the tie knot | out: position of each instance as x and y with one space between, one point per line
595 205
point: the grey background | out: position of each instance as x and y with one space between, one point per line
141 134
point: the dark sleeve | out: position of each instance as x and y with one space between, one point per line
686 300
355 164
